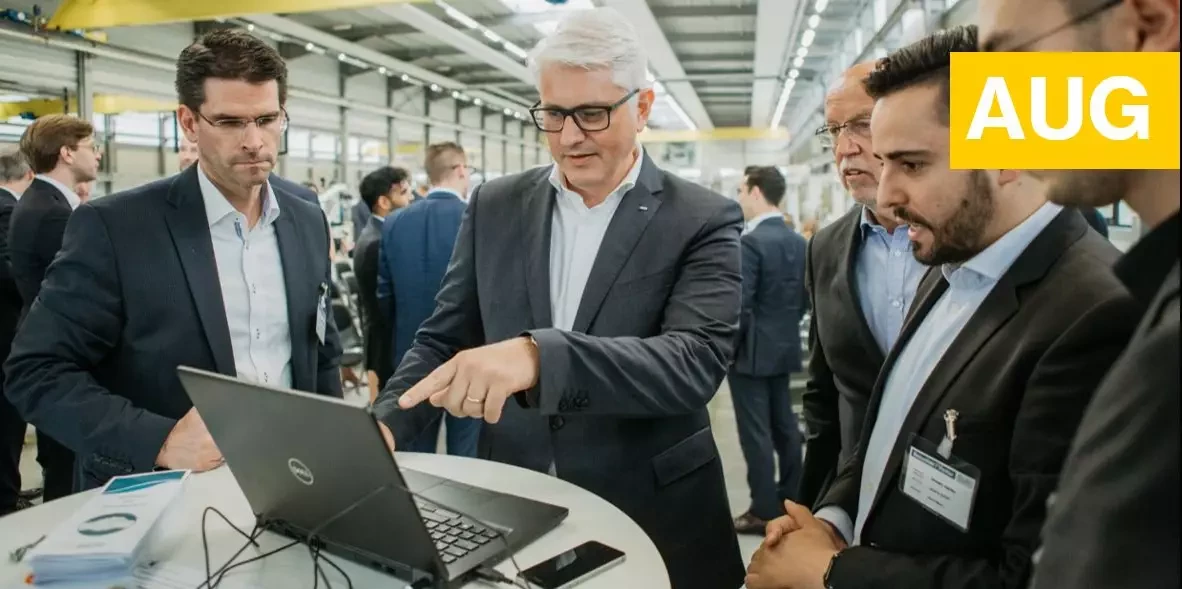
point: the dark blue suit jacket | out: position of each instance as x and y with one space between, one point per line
134 294
774 301
417 244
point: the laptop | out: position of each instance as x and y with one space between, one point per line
311 465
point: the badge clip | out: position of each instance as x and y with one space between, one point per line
945 449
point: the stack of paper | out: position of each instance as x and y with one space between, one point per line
107 538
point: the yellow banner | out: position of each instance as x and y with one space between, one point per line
1057 111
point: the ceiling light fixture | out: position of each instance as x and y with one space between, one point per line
814 21
820 6
802 52
806 39
782 103
798 61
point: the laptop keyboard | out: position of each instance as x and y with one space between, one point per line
455 536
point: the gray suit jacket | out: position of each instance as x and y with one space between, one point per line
620 407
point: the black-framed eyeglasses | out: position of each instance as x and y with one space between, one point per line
273 124
588 118
858 126
1078 19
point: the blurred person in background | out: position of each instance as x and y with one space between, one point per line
808 229
862 278
416 247
1113 521
768 352
589 313
385 190
187 154
15 178
63 152
84 191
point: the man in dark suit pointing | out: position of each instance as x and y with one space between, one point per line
590 309
216 268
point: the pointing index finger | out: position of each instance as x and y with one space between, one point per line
439 378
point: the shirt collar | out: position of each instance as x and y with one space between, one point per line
71 196
991 264
12 192
627 184
1145 267
869 225
753 223
446 191
217 207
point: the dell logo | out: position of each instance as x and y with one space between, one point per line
300 471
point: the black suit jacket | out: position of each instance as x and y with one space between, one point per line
1115 518
1020 374
35 236
133 295
378 334
10 297
620 406
774 301
844 358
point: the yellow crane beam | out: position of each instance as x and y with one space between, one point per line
96 14
104 104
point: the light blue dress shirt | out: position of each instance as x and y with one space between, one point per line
968 285
887 275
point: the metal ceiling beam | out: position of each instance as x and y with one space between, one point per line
774 38
475 48
696 57
514 20
663 60
714 11
98 14
735 37
291 28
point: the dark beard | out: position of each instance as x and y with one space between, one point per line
960 237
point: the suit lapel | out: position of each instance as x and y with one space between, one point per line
294 256
189 227
538 220
995 311
628 223
853 244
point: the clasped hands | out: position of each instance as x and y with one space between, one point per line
477 382
795 553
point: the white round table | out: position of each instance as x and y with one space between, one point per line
591 518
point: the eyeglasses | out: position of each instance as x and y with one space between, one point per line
1079 19
829 134
587 118
272 124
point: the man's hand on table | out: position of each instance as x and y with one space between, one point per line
189 446
477 382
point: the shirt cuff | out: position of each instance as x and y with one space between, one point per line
840 520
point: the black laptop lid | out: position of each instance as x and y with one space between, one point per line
302 459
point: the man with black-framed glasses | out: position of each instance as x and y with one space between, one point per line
590 310
861 278
1114 519
221 267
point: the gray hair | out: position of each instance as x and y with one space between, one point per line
595 39
13 167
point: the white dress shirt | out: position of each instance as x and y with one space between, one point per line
968 286
254 292
71 196
13 193
575 236
753 223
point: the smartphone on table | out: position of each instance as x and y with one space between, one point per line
573 566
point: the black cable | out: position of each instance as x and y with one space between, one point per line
484 573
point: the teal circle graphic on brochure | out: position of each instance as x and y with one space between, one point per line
104 525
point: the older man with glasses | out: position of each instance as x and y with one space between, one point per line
590 311
861 279
220 267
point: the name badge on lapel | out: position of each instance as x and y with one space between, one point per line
322 313
939 481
